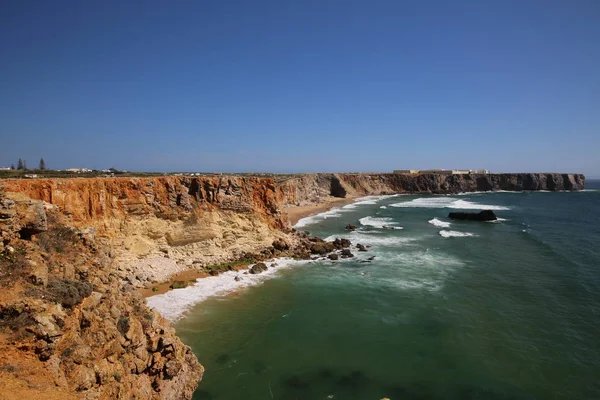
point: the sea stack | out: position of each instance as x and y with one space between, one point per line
485 215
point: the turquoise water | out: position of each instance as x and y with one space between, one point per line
510 312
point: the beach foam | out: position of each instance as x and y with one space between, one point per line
374 239
447 234
173 304
379 222
441 224
313 219
446 202
337 212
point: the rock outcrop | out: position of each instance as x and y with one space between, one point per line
313 188
68 319
485 215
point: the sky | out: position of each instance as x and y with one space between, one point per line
301 86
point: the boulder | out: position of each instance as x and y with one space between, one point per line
346 253
485 215
341 243
333 256
321 248
280 245
361 247
350 227
258 268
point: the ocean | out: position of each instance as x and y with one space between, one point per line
446 309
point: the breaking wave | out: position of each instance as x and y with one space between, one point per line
446 202
441 224
173 304
374 239
447 234
379 222
313 219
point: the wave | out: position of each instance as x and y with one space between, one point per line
379 222
313 219
367 200
173 304
446 202
370 239
422 269
447 234
497 220
441 224
337 212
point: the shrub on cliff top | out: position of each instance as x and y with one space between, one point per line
58 238
68 292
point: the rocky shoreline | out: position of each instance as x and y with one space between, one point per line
75 252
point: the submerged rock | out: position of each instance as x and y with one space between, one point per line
485 215
361 247
350 227
333 256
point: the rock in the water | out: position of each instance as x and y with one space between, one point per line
485 215
350 227
341 243
258 268
321 247
347 253
237 278
361 247
333 256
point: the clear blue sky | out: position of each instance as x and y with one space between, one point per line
291 86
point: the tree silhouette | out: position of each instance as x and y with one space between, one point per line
24 165
42 164
20 164
12 166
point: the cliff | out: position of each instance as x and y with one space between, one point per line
312 188
73 251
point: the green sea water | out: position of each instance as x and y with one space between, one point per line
469 310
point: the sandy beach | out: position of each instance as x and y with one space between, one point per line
297 213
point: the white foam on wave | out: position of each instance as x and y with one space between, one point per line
367 200
447 234
379 222
337 212
375 239
313 219
497 220
446 202
421 269
173 304
384 207
439 223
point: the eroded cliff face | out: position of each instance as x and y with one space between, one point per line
164 225
312 188
69 328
